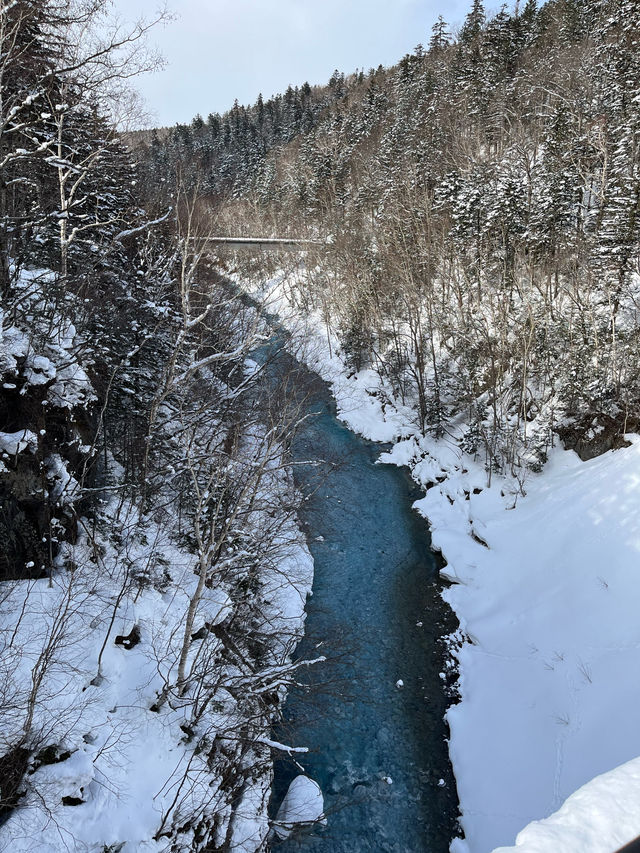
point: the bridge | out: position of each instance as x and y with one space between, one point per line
287 244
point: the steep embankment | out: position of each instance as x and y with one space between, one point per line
146 626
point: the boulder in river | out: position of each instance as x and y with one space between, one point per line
303 805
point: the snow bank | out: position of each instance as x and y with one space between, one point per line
549 685
600 817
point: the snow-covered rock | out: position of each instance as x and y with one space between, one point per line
13 443
302 804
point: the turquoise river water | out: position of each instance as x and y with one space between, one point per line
378 750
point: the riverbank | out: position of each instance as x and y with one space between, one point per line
135 700
545 591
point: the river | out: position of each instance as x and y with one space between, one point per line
373 716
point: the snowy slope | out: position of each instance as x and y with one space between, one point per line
123 765
550 684
599 818
546 591
112 749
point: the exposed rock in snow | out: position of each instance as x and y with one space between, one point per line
66 781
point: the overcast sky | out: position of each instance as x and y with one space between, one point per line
219 50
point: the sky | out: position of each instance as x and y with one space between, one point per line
219 50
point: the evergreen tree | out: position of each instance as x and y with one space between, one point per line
473 24
440 35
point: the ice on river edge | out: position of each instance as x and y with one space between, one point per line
545 590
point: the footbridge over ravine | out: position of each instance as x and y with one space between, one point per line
287 244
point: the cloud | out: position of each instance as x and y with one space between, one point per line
219 50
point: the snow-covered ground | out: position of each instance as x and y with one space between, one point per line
121 767
601 813
546 590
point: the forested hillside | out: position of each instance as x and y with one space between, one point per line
475 217
146 621
481 201
474 299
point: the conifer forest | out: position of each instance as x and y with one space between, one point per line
458 283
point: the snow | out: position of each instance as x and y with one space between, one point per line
246 833
302 804
65 487
39 370
214 606
66 779
13 443
125 760
274 744
600 817
14 344
128 763
545 586
551 606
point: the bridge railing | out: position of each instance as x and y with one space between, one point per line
293 243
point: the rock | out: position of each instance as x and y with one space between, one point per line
303 805
598 433
129 640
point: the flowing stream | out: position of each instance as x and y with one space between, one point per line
372 716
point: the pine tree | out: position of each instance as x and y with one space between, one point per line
528 22
440 35
620 65
473 24
27 75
